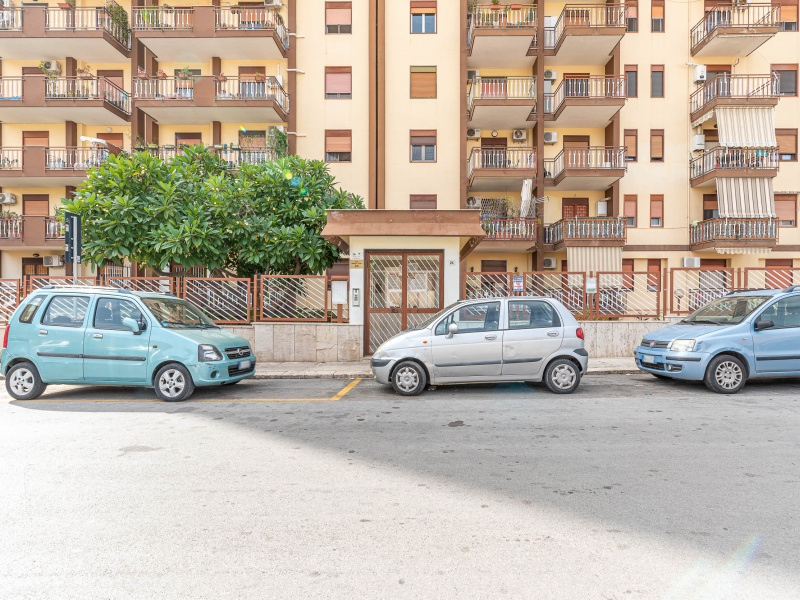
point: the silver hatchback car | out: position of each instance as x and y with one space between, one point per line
488 340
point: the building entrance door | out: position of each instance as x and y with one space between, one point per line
403 289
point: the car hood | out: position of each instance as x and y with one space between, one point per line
403 339
682 332
221 338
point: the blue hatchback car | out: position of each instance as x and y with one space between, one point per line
743 335
109 336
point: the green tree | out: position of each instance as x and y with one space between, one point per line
192 210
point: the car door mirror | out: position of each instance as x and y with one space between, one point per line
131 324
451 329
761 325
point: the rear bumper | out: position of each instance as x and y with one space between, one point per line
678 365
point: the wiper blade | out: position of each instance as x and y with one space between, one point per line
705 322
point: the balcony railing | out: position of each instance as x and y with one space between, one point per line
502 159
85 19
234 158
596 16
166 88
735 87
585 229
161 18
739 15
54 228
11 227
32 228
720 159
734 230
74 158
509 228
10 159
247 88
594 157
595 87
252 18
502 88
11 88
10 19
92 88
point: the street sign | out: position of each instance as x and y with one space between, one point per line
519 285
591 285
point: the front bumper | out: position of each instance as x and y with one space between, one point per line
221 371
679 365
382 369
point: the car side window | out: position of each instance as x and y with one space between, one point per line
472 318
110 311
784 313
532 314
66 311
30 309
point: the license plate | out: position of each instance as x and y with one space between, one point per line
648 359
244 364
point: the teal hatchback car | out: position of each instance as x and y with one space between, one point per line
111 336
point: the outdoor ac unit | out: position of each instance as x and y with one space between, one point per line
52 66
8 198
6 4
550 74
700 74
690 262
602 208
519 135
276 3
698 143
473 74
55 260
473 203
273 128
473 134
550 137
549 263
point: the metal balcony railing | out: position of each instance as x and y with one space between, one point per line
86 19
734 230
594 157
593 87
509 228
252 18
11 158
92 88
252 88
54 228
11 88
736 15
164 88
162 18
741 87
11 227
502 88
10 19
74 158
586 228
502 159
720 159
234 158
596 16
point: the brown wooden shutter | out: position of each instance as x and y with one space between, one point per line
423 201
423 137
787 141
36 204
338 80
423 7
786 207
710 202
630 206
423 82
631 144
657 207
657 9
338 140
35 138
338 13
657 144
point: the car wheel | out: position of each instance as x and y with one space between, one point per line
23 382
173 383
562 376
409 378
725 375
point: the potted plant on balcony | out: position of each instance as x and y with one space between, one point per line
138 143
152 145
219 146
84 73
185 73
260 77
236 9
168 8
161 74
495 5
67 5
222 77
169 146
141 73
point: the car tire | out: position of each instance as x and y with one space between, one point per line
23 382
173 383
725 374
562 376
409 378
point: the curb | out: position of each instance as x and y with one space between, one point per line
369 375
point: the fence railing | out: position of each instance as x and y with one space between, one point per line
771 278
586 228
513 15
502 158
85 19
594 87
734 230
722 159
594 16
628 294
54 228
288 298
88 88
162 18
225 300
252 18
11 228
11 158
140 284
738 15
692 288
10 295
594 157
252 88
10 19
509 228
74 158
502 88
164 88
11 88
735 87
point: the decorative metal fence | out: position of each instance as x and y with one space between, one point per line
771 278
9 298
692 288
293 298
141 284
566 287
628 294
226 300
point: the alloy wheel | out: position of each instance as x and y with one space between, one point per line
22 381
171 383
728 375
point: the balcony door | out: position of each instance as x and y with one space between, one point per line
249 84
576 152
253 146
572 208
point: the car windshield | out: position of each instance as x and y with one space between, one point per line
726 311
172 312
428 322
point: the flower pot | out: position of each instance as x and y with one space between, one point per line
138 148
516 7
222 78
184 76
218 146
495 7
65 6
152 146
144 76
261 78
169 146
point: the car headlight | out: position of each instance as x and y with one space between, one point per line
208 353
682 345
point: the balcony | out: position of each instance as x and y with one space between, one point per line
86 100
234 158
501 37
501 102
586 102
734 233
585 231
88 33
733 90
593 168
585 34
31 232
735 30
500 168
224 99
732 162
252 32
43 166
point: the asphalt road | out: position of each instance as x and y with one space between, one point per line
630 488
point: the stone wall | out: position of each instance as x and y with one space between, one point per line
617 339
303 342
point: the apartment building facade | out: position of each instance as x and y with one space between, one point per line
484 137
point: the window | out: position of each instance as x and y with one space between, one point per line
787 144
66 311
656 145
338 82
338 145
657 16
784 313
631 145
630 210
423 82
657 81
338 17
786 209
532 314
423 145
788 75
632 73
30 309
423 16
110 312
656 210
472 318
788 15
710 207
422 201
633 16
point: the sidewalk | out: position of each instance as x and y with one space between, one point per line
352 370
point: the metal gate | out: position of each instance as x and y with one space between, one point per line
402 290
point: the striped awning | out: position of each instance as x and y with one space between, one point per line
745 197
743 250
585 259
746 127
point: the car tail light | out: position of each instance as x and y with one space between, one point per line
579 333
5 338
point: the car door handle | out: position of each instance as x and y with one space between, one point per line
491 337
552 333
43 331
98 336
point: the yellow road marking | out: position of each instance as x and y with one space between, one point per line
341 394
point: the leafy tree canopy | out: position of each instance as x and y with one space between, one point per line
192 210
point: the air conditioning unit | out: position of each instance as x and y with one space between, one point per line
519 135
55 260
8 198
275 3
700 74
549 263
690 262
473 203
52 66
550 74
273 128
602 208
6 4
550 137
698 143
473 134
